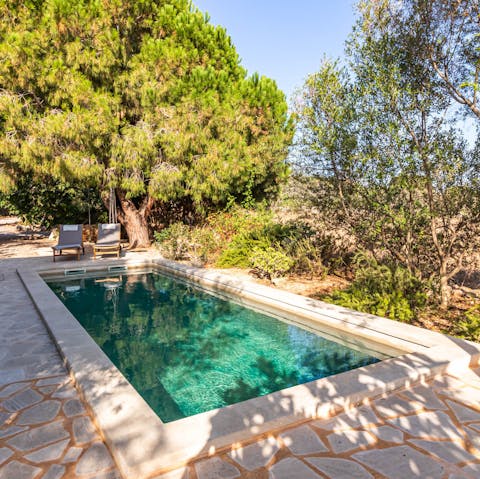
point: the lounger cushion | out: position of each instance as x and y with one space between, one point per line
66 246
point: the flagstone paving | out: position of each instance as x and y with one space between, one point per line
429 431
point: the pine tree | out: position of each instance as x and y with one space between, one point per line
145 97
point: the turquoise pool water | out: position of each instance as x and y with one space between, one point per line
187 351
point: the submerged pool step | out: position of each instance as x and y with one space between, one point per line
73 272
117 268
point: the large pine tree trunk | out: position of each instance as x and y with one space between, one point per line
135 220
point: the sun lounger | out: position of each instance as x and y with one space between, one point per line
70 238
108 239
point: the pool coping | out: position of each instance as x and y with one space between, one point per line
143 446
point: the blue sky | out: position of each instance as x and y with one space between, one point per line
283 39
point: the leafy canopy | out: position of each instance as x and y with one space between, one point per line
144 96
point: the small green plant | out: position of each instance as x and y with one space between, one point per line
174 241
381 289
469 328
271 262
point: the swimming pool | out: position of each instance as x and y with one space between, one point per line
187 351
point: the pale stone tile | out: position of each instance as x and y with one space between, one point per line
5 453
447 382
57 380
446 450
475 426
73 407
42 412
56 471
302 440
176 474
255 455
95 459
4 417
10 431
467 395
474 437
215 468
65 392
290 468
428 425
106 475
463 413
348 440
401 462
339 468
425 396
362 416
473 469
72 455
12 388
396 406
49 453
83 430
22 400
39 436
12 375
387 433
18 470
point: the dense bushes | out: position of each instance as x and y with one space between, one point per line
245 239
469 328
385 290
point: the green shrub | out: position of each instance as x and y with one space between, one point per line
239 251
384 290
174 242
271 262
470 327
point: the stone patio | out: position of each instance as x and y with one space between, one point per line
431 430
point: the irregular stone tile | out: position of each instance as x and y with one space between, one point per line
463 413
215 468
106 475
72 455
83 430
474 437
49 453
73 407
339 468
447 382
448 451
361 416
425 396
39 436
95 459
47 389
467 395
55 471
396 406
473 469
10 431
475 426
428 425
22 400
387 433
11 389
18 470
255 455
11 376
302 440
4 417
55 380
5 453
65 392
176 474
401 462
43 412
347 440
291 467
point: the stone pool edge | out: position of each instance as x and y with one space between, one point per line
144 446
